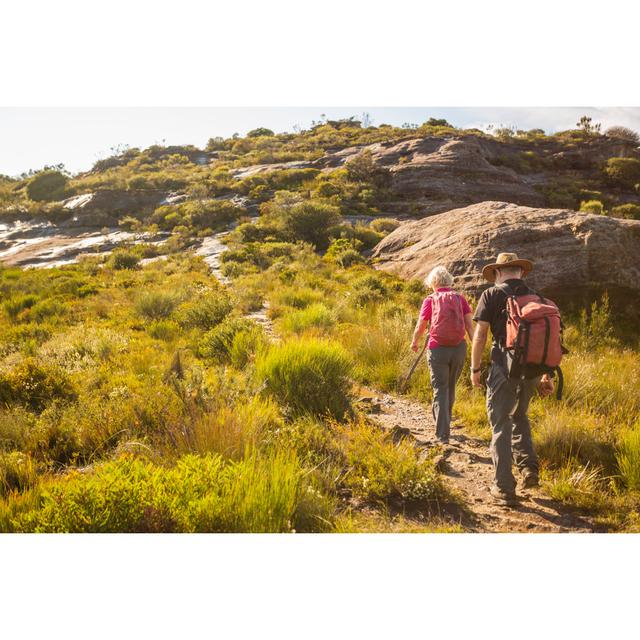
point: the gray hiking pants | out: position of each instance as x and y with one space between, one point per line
445 367
507 405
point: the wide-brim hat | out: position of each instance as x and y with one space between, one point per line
506 260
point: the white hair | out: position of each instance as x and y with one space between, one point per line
439 277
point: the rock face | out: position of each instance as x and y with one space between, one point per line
101 207
435 174
577 256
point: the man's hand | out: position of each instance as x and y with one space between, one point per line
475 379
415 346
545 386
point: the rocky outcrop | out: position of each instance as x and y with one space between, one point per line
577 256
102 207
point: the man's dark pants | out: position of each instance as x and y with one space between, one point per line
507 405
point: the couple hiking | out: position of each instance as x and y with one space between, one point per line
525 355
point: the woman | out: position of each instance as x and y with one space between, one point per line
449 316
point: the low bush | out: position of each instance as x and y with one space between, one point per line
344 252
630 211
310 221
47 186
166 330
206 312
155 305
14 306
623 172
34 385
384 225
592 206
199 494
217 343
122 259
307 376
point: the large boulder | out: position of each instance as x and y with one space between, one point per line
577 256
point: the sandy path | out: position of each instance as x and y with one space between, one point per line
466 465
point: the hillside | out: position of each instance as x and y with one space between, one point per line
217 346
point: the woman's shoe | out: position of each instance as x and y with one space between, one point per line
500 496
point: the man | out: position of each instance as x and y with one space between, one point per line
507 398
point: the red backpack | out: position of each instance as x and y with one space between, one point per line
534 336
447 318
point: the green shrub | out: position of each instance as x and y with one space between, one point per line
623 172
206 312
34 385
165 330
14 306
592 206
46 309
199 494
123 259
316 315
367 236
17 472
47 186
344 252
384 225
307 376
155 305
216 344
363 168
310 221
630 211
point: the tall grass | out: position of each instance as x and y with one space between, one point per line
380 469
628 457
314 316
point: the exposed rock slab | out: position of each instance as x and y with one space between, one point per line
576 255
100 207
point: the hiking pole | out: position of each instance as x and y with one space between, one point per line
405 382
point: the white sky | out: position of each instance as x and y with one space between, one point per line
36 136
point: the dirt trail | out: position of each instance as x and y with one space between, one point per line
465 462
466 465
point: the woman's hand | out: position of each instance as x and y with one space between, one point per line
415 346
476 380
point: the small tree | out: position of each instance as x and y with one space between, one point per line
437 122
260 131
363 168
47 186
586 125
623 133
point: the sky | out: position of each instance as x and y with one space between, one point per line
33 137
